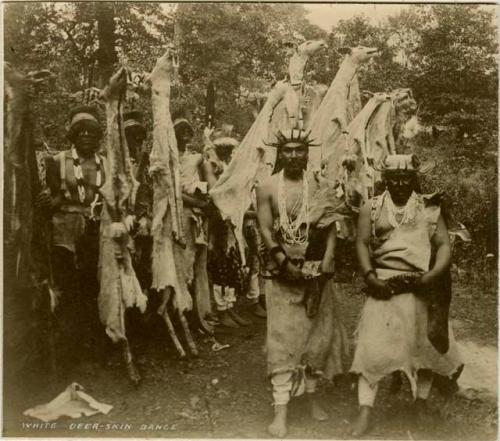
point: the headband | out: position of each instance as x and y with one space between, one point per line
82 116
132 123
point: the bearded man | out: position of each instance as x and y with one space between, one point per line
400 233
298 275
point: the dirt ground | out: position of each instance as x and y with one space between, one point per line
225 394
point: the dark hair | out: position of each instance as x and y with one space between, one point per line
181 129
136 130
84 109
223 150
75 128
136 115
179 113
415 179
182 126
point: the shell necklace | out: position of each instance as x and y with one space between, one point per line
80 182
407 213
291 229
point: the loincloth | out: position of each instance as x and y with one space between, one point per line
296 341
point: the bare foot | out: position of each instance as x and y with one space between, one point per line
317 411
362 423
278 427
133 374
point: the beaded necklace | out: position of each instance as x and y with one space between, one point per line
407 213
80 183
291 229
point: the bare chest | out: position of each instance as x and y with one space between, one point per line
89 171
291 196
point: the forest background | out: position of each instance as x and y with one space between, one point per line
447 55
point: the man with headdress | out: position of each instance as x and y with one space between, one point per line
403 250
224 261
300 269
74 177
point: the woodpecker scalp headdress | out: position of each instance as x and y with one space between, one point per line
409 163
226 141
298 136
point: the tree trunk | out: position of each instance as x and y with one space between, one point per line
107 56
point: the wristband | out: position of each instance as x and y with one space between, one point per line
367 274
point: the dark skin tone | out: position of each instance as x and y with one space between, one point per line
294 157
294 160
400 190
224 154
184 136
400 185
135 139
86 142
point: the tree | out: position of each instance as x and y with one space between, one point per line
106 33
445 53
383 73
454 69
81 43
238 46
72 38
438 52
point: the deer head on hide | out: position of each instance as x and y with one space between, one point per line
300 58
358 54
405 120
295 91
387 131
166 66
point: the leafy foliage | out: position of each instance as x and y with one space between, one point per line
445 53
451 68
237 46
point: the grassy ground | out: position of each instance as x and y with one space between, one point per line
226 394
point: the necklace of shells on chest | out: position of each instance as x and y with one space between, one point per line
406 213
80 182
290 225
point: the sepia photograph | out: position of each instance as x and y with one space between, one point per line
250 220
